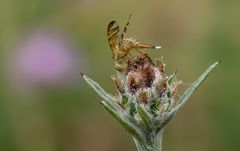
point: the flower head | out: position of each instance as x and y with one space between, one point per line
44 58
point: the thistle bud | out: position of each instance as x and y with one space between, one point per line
147 83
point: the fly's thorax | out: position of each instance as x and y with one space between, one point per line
128 43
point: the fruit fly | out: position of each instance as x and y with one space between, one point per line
122 46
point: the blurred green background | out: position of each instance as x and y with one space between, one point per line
44 44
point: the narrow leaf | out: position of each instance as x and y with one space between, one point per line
129 127
101 92
193 87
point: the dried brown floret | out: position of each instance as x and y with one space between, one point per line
143 97
140 73
160 65
162 88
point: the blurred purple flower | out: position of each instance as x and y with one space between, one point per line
45 58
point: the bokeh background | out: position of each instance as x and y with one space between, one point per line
44 45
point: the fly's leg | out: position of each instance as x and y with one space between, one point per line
121 65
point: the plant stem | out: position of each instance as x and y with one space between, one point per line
153 142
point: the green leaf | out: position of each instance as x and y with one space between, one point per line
193 87
145 115
121 118
101 92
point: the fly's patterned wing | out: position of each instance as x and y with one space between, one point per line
125 28
112 33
